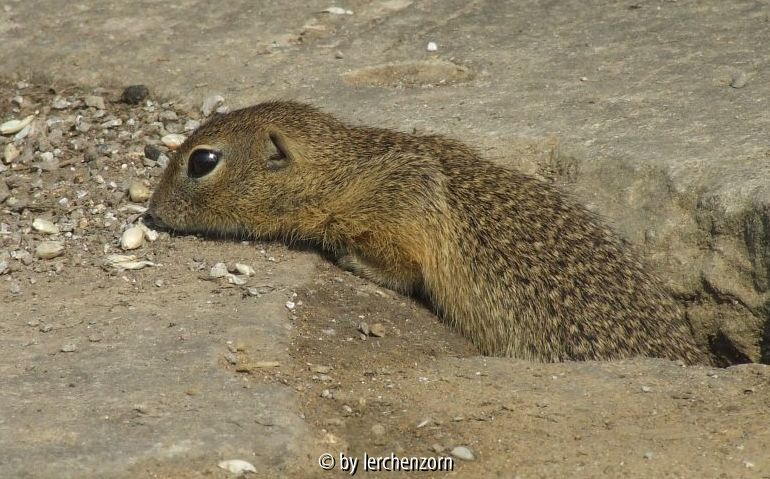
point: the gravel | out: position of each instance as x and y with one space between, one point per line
75 174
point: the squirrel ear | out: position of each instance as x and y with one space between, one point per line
279 154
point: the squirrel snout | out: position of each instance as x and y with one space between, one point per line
151 217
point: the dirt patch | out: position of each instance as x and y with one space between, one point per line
430 73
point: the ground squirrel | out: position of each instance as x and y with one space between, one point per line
508 260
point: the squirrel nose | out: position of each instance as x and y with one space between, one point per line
151 218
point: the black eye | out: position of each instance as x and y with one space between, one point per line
202 161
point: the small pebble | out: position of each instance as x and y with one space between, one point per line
132 238
14 126
219 270
163 160
377 330
152 152
646 389
236 280
49 249
23 133
231 358
462 452
173 140
69 348
112 123
191 125
237 466
264 364
168 115
321 369
363 328
424 423
378 430
138 192
24 256
83 126
132 208
149 234
648 455
432 47
45 226
211 103
290 305
94 102
244 269
10 153
121 261
135 94
739 80
338 11
60 103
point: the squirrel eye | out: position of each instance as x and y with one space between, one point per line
201 162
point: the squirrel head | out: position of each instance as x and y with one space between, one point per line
239 173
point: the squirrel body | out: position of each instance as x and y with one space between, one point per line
512 263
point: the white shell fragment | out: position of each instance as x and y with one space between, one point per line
173 140
244 269
219 270
338 11
49 249
138 192
14 126
45 226
432 47
132 238
237 466
121 261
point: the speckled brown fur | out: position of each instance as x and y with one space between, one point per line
513 264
